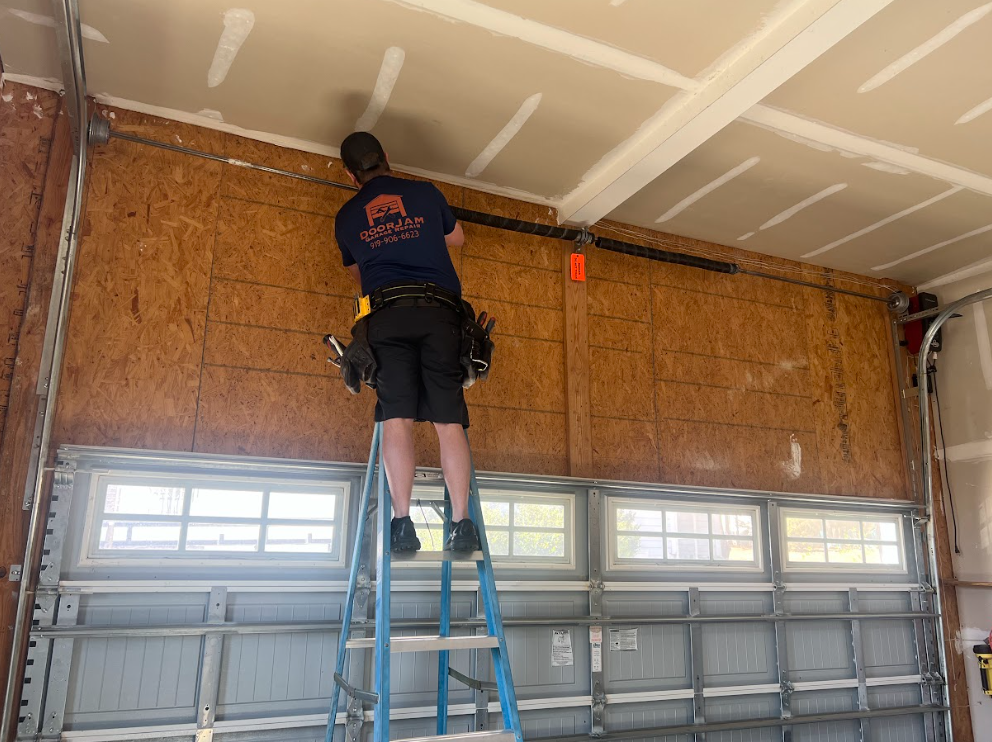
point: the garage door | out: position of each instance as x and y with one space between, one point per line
199 597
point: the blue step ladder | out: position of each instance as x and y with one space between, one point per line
384 647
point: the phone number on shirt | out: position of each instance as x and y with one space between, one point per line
408 235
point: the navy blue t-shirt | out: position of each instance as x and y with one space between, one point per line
394 229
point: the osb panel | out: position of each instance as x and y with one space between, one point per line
132 365
244 303
512 247
488 279
728 328
621 384
621 334
280 247
526 375
710 454
876 444
612 266
626 301
258 413
732 374
299 195
27 116
687 401
625 449
521 441
750 288
520 320
266 349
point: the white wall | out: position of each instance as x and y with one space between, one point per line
964 376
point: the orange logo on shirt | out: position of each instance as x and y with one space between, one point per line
382 206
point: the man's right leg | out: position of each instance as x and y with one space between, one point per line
398 456
397 388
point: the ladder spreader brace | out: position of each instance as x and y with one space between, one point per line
443 642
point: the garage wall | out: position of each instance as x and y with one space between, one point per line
203 289
27 125
964 381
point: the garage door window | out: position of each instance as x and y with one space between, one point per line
853 542
145 518
646 534
522 528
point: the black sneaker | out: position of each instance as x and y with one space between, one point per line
403 535
463 537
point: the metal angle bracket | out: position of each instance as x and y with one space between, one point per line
596 591
786 688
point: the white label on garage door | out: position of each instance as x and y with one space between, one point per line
595 634
561 648
597 656
623 640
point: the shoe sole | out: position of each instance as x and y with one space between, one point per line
401 546
463 546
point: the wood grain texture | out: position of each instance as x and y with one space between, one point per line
264 413
580 396
26 124
132 363
35 156
713 378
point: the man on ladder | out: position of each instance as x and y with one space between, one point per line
418 344
394 237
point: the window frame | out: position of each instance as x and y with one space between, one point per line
615 563
436 494
859 516
92 555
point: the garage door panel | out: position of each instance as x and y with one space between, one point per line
264 672
534 675
629 716
737 653
824 701
552 722
735 708
889 644
154 678
819 650
149 676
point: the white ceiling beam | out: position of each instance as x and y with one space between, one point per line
788 42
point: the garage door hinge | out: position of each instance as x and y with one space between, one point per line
204 735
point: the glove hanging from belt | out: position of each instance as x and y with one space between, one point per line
356 360
477 346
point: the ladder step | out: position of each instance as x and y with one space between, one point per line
499 736
428 643
437 556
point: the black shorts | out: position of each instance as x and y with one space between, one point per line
418 350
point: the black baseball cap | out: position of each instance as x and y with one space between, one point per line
362 152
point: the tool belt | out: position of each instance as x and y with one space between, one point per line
357 360
415 293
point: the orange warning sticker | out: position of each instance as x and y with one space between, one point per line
578 267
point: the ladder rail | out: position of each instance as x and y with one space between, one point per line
382 585
445 621
494 621
356 564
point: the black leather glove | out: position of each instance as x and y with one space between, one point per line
357 362
477 347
